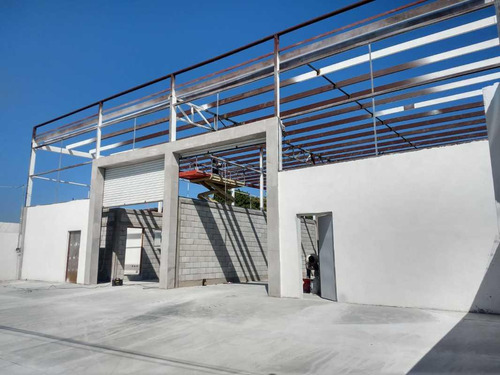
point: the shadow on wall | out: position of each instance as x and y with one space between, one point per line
487 298
114 241
229 243
241 249
218 242
472 346
150 256
108 225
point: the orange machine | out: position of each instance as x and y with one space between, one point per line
216 184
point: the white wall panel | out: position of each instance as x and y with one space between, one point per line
9 233
414 229
46 240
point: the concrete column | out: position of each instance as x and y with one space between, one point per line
94 225
169 222
261 179
273 142
491 95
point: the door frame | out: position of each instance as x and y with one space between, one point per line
299 242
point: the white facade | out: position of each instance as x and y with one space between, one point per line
414 229
46 240
9 233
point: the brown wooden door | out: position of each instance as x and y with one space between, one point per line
73 251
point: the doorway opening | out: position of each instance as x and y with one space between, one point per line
130 246
222 194
317 254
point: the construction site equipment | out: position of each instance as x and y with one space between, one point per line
215 183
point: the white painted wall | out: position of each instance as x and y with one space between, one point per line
488 299
46 241
491 95
414 229
9 233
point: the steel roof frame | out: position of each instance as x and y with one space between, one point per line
356 122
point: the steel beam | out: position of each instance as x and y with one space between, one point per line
98 133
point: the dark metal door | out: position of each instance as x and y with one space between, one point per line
73 251
326 258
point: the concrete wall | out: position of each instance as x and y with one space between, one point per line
221 243
9 233
267 130
218 243
46 240
491 95
488 296
413 229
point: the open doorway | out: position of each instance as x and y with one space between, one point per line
222 218
317 254
130 244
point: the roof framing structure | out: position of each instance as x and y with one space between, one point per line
405 79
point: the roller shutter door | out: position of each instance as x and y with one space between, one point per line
134 184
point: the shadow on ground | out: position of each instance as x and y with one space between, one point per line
472 346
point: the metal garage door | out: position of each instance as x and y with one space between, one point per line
133 184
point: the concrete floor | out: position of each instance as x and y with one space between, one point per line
229 329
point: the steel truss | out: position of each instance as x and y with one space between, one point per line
337 94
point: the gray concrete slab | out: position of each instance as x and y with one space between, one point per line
229 329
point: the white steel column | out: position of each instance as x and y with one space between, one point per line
497 12
261 181
99 133
27 203
277 76
374 118
173 113
31 172
277 98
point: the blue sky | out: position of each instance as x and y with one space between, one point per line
57 56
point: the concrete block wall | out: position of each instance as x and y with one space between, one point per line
216 242
309 242
223 243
